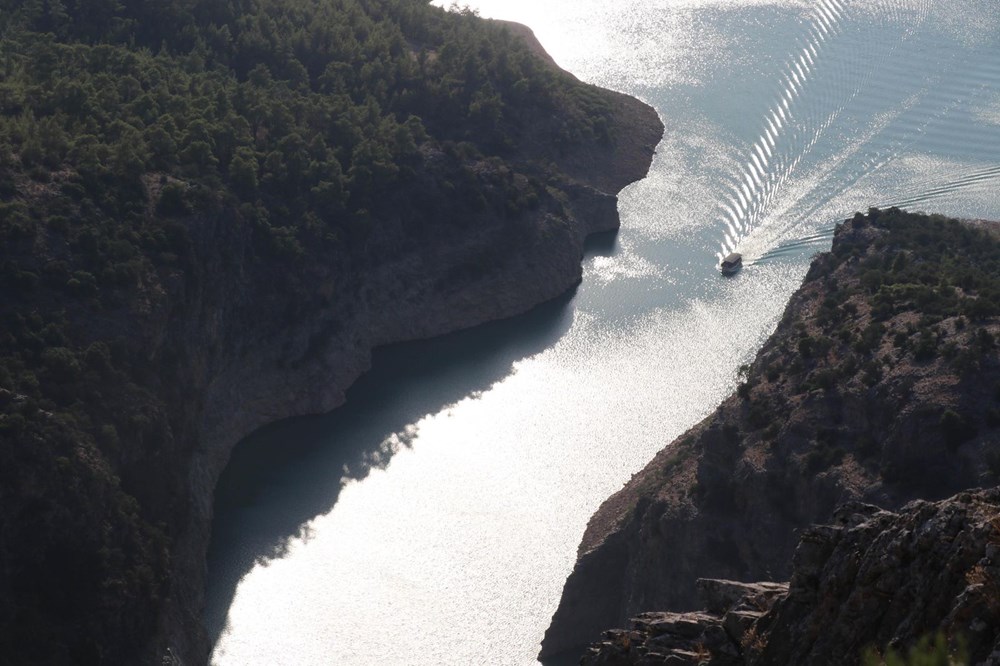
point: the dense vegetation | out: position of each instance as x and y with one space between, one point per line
923 291
126 127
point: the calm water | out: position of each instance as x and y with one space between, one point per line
435 518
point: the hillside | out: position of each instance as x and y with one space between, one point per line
210 213
881 385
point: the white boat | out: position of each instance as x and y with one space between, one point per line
731 264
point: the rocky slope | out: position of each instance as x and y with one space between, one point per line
880 385
874 580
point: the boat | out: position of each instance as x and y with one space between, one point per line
731 264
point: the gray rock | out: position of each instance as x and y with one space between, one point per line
868 582
738 622
719 596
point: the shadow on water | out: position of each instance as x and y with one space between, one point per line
567 658
285 474
603 244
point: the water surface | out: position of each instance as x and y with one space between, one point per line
434 519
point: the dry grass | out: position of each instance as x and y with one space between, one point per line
753 642
976 575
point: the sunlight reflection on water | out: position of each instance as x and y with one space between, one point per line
497 446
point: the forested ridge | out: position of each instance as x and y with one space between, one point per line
333 130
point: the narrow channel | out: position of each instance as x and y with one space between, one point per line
435 517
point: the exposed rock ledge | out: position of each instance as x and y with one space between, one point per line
257 368
869 390
871 580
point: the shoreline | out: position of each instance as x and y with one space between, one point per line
399 302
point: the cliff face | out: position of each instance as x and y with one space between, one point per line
879 385
879 578
873 580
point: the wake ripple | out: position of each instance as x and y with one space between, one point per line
876 106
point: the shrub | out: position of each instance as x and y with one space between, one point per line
926 348
927 652
173 200
955 428
61 363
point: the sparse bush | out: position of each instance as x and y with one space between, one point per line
927 652
955 428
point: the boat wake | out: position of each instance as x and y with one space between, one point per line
868 114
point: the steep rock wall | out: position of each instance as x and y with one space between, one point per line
873 580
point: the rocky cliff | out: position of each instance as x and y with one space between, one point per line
874 581
879 385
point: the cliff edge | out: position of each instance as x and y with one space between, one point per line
880 385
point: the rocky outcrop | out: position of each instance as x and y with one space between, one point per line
869 390
715 635
877 578
873 580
